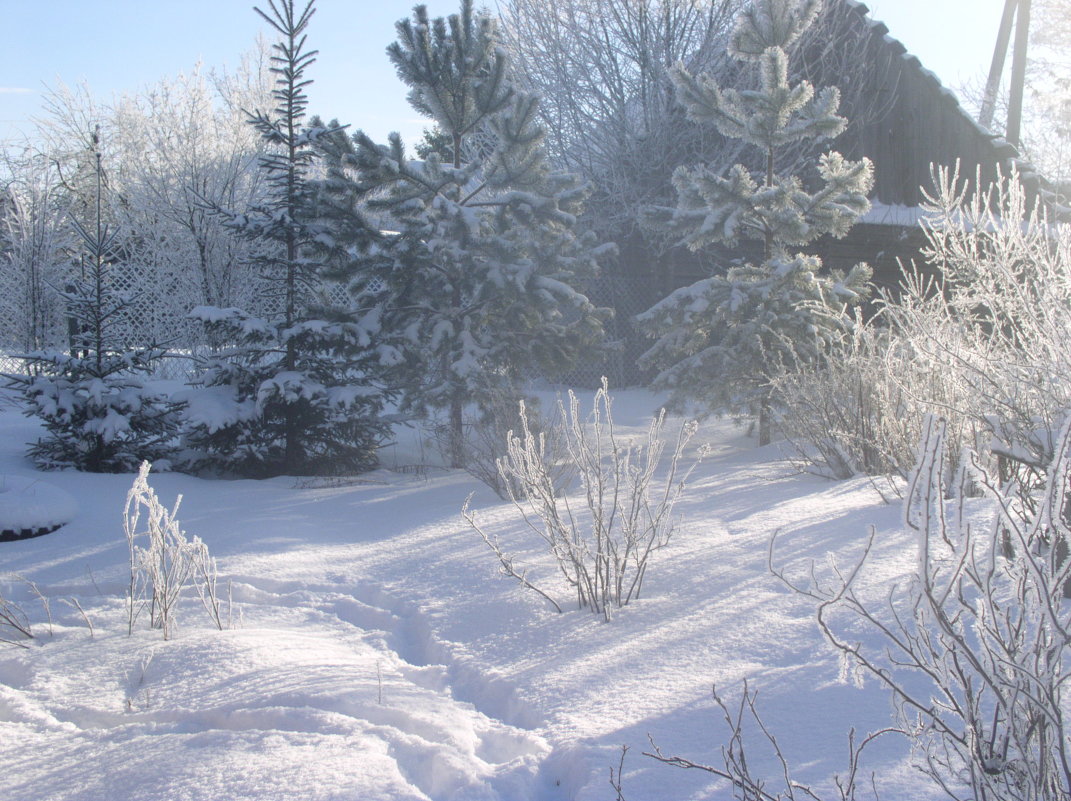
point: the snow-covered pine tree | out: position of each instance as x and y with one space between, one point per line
719 340
99 413
295 392
478 266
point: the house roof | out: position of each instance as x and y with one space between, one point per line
921 123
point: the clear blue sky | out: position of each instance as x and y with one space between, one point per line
118 46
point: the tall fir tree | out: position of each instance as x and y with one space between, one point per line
478 264
296 392
720 340
99 410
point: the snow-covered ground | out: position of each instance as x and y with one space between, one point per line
376 653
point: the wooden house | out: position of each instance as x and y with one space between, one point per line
910 124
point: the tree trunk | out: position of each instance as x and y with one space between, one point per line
764 421
457 433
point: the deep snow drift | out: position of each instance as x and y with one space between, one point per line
375 653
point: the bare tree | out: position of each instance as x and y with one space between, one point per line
171 148
602 68
183 145
37 253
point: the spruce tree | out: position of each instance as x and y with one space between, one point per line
294 392
478 268
719 340
100 413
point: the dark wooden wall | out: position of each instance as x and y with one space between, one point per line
923 123
910 124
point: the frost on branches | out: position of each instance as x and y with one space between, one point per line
720 340
99 414
478 266
291 393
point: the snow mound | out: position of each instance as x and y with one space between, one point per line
29 507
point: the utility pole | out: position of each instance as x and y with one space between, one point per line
1017 12
1018 76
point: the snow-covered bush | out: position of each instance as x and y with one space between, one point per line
167 562
603 544
986 345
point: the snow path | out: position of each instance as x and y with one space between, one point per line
377 654
308 694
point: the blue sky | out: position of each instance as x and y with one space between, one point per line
118 46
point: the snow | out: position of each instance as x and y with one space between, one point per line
28 503
892 214
374 652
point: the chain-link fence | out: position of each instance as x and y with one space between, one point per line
627 296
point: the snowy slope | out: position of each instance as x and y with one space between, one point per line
376 654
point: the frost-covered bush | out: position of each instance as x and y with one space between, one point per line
986 345
1000 326
858 412
845 416
982 624
602 543
974 647
163 561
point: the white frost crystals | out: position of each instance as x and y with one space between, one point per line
161 569
975 647
603 546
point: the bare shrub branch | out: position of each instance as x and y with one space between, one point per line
14 625
504 559
736 769
74 604
161 570
983 624
603 546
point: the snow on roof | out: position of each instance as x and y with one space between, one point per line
892 214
